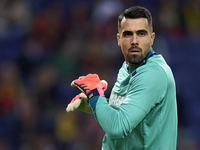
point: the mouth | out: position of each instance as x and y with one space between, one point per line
134 51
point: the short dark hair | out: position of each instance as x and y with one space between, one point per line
136 12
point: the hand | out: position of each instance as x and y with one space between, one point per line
89 82
79 102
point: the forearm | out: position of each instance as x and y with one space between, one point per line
115 122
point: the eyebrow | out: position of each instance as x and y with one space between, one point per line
131 32
127 32
142 30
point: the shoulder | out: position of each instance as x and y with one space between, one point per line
154 72
155 65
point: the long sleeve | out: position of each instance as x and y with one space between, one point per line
141 94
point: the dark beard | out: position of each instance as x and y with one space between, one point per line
134 59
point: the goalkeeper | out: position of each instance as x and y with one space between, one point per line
141 113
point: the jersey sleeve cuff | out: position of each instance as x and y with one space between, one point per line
95 92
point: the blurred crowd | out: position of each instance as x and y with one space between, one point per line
45 44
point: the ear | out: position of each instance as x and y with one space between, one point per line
152 37
118 39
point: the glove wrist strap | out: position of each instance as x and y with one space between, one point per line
95 92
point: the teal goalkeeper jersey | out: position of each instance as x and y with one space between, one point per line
142 112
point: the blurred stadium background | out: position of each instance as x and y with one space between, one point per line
45 44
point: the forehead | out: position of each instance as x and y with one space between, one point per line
135 24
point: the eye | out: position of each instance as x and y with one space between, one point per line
127 34
142 33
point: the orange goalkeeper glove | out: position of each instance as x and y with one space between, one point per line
90 85
80 101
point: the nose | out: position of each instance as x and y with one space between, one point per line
134 40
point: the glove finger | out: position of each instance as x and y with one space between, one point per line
83 96
77 103
72 84
70 108
106 84
75 85
73 106
81 77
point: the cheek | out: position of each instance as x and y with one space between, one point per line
145 47
124 50
146 43
125 47
125 42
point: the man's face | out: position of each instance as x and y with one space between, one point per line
135 39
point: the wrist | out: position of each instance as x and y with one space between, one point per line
95 92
